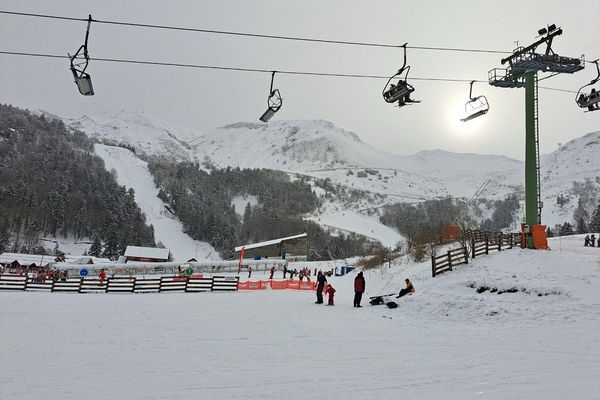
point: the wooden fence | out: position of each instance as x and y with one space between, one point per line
481 243
450 259
122 284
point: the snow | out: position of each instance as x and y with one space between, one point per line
350 221
147 252
444 342
133 173
270 242
240 202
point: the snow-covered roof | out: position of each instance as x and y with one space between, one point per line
26 259
85 260
270 242
147 252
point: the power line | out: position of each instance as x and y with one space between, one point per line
242 69
254 35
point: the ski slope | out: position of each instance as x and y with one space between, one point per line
168 229
444 342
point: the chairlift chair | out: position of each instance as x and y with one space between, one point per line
78 66
274 102
401 90
591 100
476 106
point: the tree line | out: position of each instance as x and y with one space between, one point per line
52 184
202 199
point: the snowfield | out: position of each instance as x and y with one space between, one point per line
446 341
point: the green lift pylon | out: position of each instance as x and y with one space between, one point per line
524 64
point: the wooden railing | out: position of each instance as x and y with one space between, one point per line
121 284
447 261
481 243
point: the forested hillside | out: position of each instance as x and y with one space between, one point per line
203 202
51 183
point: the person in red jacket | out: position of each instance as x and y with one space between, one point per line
102 276
330 291
272 272
359 288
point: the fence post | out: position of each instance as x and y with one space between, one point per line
187 282
160 284
500 242
26 282
53 283
133 286
487 245
466 255
473 247
80 284
433 266
449 260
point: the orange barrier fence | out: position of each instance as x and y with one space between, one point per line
278 285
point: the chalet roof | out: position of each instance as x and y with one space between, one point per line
85 260
27 259
147 252
270 242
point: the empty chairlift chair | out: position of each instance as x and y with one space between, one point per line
79 65
476 106
591 100
274 102
400 90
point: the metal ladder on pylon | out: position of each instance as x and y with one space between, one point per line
537 150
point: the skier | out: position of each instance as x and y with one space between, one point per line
408 289
284 271
321 281
272 272
330 292
359 288
587 240
249 271
593 240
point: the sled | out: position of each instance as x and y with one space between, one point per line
377 300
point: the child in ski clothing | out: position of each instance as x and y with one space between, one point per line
272 272
102 276
330 291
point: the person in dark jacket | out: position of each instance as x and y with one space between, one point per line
408 289
321 281
359 288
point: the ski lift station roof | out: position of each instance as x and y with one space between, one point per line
270 242
137 253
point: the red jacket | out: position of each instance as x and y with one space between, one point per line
359 284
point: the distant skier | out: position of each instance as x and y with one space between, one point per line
408 289
272 272
321 281
249 271
284 271
330 292
593 240
359 288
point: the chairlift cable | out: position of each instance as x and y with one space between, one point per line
255 35
259 70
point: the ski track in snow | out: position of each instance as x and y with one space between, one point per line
168 229
443 342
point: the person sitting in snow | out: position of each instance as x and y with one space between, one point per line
330 291
408 289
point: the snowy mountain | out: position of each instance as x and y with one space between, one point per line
321 150
148 135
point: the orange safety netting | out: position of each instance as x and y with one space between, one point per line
278 285
538 233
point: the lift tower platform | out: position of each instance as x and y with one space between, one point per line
522 71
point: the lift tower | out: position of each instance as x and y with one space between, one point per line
523 66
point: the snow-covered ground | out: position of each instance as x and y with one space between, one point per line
168 229
446 341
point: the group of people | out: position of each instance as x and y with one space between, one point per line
583 99
359 289
590 241
53 274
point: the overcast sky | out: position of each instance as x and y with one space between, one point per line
205 99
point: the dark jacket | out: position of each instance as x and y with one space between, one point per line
359 283
321 280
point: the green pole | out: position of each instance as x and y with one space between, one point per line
531 184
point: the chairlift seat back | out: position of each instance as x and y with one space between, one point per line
589 100
84 84
398 91
268 114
